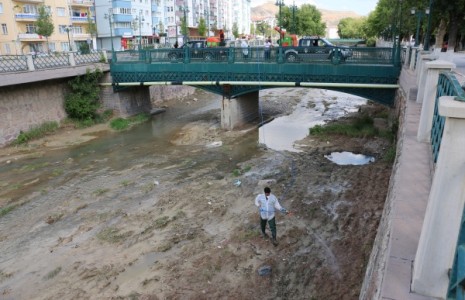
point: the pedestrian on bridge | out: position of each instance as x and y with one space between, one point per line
245 48
268 46
267 204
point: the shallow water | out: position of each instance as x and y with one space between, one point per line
149 143
349 158
316 107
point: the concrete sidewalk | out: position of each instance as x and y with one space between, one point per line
410 191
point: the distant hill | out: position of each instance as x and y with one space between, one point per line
269 10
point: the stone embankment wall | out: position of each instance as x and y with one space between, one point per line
25 106
371 287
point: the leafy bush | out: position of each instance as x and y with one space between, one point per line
121 123
82 102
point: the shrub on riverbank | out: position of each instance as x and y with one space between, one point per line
82 101
122 123
36 132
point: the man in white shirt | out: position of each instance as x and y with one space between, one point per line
267 204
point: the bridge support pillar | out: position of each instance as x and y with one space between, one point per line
429 87
413 58
238 111
422 72
407 56
127 102
439 234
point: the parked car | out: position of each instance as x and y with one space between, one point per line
315 48
199 50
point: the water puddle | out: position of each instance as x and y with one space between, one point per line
349 158
316 107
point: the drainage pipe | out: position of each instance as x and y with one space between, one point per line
258 83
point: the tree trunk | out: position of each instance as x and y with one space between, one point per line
440 35
454 23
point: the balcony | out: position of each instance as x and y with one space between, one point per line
30 37
81 3
26 17
30 1
81 36
82 19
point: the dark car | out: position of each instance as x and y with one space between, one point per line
316 48
199 50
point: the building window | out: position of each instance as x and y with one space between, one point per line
51 46
30 9
61 11
64 46
4 29
77 29
62 29
7 49
30 28
1 8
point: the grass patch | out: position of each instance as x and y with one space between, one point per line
100 192
36 132
122 123
360 127
6 210
112 235
53 273
390 154
240 171
161 222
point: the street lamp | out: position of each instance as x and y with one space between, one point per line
419 14
185 10
69 41
428 29
293 17
280 3
109 16
208 21
140 19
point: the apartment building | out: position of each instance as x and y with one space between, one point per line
141 23
73 22
114 24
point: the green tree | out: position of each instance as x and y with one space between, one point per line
309 21
44 24
454 12
264 28
184 29
235 30
202 28
349 28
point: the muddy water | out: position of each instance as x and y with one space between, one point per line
150 143
316 107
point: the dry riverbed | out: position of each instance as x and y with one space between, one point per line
194 233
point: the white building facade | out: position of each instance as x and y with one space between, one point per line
143 23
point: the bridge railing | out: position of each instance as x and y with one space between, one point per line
448 85
353 55
31 62
13 63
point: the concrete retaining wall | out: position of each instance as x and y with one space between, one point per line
24 106
27 105
371 287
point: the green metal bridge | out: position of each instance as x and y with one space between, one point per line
371 73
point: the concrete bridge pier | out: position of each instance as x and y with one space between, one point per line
441 225
430 84
238 111
128 101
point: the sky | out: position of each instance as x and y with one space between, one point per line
362 7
